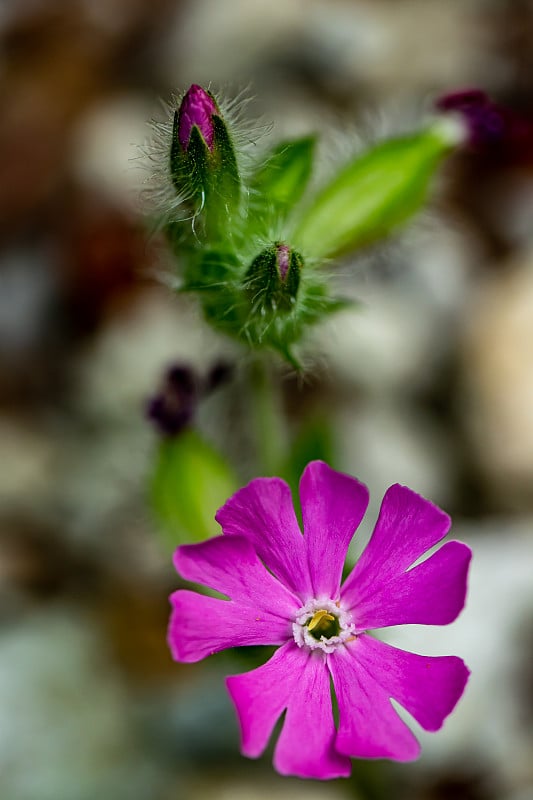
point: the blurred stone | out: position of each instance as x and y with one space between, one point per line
138 596
103 260
387 441
388 58
34 564
225 40
106 148
408 302
355 42
26 291
66 729
28 461
380 345
497 378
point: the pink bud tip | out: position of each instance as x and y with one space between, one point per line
197 108
283 254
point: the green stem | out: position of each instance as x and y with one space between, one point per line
267 416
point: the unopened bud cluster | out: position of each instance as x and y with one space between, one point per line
251 246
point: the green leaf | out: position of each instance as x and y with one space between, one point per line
191 481
281 181
372 195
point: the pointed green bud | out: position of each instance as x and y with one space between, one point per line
273 279
203 164
374 194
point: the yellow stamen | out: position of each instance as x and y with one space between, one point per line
317 618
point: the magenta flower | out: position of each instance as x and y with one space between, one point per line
196 109
284 588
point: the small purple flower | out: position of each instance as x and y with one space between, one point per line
491 129
197 108
284 588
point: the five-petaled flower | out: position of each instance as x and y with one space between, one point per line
284 588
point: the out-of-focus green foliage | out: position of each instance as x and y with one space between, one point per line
372 195
191 481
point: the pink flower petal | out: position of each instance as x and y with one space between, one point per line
432 593
369 727
306 746
200 626
260 696
333 505
428 687
408 525
366 673
229 564
298 681
263 512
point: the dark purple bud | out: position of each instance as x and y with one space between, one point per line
491 129
197 108
173 408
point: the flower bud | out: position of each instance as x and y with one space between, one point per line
203 163
273 279
197 109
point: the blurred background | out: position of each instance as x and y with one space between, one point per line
430 383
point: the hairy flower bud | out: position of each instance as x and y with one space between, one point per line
273 279
203 163
197 109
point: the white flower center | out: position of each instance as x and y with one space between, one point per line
322 625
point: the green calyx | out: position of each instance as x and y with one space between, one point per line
207 178
272 280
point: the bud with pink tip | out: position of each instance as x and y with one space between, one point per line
197 109
203 163
273 279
